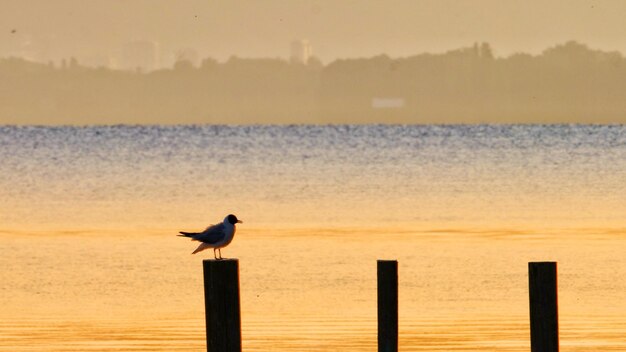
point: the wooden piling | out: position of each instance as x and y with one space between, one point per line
387 305
222 305
544 318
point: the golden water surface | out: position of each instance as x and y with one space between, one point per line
307 289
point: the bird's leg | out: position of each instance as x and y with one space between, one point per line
219 250
214 255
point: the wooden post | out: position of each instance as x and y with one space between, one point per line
221 302
387 306
544 317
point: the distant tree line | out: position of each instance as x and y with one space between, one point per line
568 83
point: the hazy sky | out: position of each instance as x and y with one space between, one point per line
335 28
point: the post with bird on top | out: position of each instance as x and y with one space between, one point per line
221 287
222 305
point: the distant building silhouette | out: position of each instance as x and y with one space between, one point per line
28 47
387 103
301 51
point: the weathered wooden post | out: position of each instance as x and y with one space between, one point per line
221 303
544 316
387 305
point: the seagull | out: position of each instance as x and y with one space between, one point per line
215 236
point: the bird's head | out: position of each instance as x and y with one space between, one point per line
233 219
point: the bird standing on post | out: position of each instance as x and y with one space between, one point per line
215 236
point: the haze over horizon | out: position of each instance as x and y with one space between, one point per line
313 61
96 30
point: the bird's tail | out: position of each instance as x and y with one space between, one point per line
187 234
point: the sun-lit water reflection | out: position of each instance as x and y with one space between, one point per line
303 292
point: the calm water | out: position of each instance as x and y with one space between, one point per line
90 261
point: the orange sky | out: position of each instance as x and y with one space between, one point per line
346 28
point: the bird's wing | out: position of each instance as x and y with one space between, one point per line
212 234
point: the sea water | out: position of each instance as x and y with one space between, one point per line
90 261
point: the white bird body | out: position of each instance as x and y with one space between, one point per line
215 236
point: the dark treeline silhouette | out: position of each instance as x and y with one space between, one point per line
568 83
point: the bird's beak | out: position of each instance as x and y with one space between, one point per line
239 222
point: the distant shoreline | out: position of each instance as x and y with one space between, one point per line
566 84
